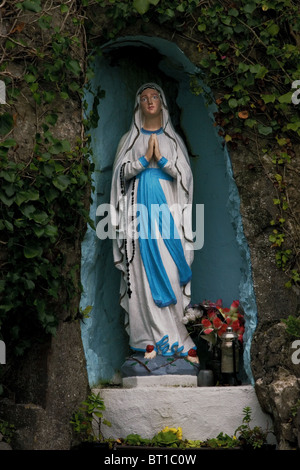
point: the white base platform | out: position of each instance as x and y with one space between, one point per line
201 412
160 381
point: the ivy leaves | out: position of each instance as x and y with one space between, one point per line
142 6
6 124
248 53
30 5
30 200
40 206
43 211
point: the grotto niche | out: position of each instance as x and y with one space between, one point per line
221 267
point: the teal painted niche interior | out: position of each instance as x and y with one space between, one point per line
222 267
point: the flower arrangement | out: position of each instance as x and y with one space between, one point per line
210 320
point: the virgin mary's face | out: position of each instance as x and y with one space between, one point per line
150 102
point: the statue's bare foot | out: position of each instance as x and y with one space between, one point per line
192 356
150 355
150 352
195 360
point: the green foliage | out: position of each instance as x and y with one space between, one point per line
170 439
41 208
251 437
7 430
249 56
44 194
250 52
222 441
295 409
142 6
136 440
293 325
88 419
166 439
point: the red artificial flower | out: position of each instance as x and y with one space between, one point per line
207 331
222 329
235 304
192 352
206 323
235 325
211 313
217 322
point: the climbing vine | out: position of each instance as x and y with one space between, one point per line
252 55
45 177
248 51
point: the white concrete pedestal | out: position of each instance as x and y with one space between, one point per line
160 380
201 412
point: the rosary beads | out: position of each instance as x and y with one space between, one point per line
128 262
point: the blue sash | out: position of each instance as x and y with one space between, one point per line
151 197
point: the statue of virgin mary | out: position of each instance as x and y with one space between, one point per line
152 187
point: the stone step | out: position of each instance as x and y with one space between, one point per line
201 412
